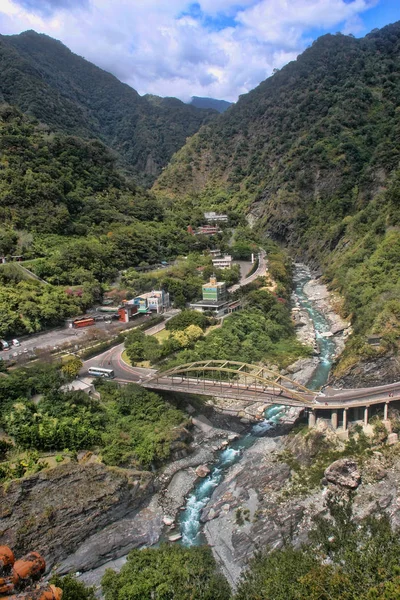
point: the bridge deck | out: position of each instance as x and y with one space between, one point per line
268 395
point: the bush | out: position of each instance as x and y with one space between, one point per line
72 588
167 573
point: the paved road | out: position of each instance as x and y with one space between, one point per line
112 359
52 340
261 270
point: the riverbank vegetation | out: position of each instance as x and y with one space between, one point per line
127 427
261 331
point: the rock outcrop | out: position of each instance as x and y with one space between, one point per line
344 473
55 510
368 373
202 471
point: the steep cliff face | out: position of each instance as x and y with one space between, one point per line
310 145
57 509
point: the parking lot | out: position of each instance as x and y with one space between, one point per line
56 339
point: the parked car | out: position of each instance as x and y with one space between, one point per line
15 343
4 345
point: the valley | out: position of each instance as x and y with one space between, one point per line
233 276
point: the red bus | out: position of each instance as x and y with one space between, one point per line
85 322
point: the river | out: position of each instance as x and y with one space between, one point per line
190 518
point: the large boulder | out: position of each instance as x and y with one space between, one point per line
202 471
343 472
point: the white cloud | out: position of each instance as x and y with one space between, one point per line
222 49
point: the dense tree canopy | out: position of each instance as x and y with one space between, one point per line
128 427
309 154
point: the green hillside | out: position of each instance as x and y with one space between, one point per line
312 156
45 79
64 205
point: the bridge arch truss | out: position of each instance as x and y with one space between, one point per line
216 377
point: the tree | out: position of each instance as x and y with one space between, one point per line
193 333
167 573
186 318
72 367
151 349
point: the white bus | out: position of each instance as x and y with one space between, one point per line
100 372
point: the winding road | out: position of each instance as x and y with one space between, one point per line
330 399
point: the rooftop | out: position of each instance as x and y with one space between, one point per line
210 303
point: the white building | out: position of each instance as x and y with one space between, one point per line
213 217
224 262
215 253
157 300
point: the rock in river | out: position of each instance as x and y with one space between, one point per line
343 472
202 471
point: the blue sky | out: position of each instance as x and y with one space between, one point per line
217 48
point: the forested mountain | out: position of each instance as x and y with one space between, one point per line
312 155
57 184
77 221
219 105
45 79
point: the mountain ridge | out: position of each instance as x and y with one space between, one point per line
201 102
44 79
312 157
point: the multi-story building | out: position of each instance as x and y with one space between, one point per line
145 304
158 301
208 230
214 290
214 253
215 298
223 262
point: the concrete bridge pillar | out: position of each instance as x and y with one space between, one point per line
385 411
311 419
344 419
365 416
334 419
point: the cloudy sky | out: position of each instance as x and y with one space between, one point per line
217 48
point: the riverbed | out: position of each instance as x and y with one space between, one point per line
326 347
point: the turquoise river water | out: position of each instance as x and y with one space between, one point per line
190 524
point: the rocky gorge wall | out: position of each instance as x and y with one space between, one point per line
56 510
